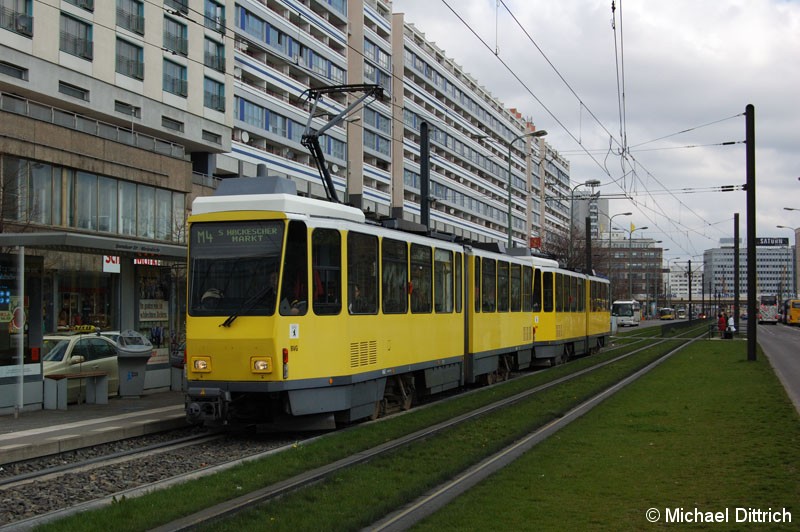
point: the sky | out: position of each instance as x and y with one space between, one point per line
679 73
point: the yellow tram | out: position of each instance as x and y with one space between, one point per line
300 314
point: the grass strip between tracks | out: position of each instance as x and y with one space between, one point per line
380 485
454 452
707 431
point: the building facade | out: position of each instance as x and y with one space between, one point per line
775 269
114 116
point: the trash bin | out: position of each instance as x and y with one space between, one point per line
133 352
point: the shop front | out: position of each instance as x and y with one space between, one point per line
78 280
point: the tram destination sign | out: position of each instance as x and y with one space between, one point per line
769 241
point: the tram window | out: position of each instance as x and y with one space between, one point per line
294 291
559 292
527 287
230 272
394 266
537 291
581 295
574 295
362 273
489 285
421 296
502 286
476 261
443 280
326 257
516 287
547 291
459 282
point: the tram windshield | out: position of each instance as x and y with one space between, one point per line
233 267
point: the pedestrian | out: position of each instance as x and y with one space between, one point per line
731 326
721 324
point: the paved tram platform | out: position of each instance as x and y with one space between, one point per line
42 432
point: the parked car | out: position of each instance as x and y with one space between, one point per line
80 353
177 356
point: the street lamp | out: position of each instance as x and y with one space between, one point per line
589 183
630 256
539 133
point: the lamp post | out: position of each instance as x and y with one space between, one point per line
630 257
611 221
539 133
589 183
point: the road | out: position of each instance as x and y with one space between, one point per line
781 344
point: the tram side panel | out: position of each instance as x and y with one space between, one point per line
501 329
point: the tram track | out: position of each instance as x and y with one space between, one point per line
201 467
269 493
50 492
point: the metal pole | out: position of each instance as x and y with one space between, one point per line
750 163
736 294
630 259
21 341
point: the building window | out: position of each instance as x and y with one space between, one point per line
14 71
130 59
74 91
175 78
214 55
88 5
214 16
180 6
213 94
130 15
175 36
75 37
211 137
169 123
15 15
127 109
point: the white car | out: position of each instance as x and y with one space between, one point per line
73 353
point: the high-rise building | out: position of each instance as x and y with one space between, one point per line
116 115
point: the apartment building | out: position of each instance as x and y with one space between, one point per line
114 116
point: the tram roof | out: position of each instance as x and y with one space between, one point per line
94 244
287 203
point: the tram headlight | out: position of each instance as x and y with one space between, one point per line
261 364
201 364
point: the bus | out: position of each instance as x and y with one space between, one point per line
666 313
792 312
628 313
681 314
768 309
